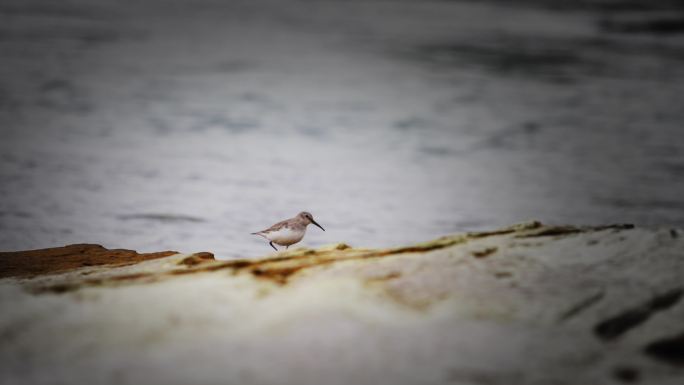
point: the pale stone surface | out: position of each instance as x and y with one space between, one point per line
531 304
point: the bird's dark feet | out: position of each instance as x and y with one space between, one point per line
274 248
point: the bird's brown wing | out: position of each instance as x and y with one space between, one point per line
275 227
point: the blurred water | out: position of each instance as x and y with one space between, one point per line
188 125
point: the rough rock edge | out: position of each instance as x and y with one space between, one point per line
32 263
284 266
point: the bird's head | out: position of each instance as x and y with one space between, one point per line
308 218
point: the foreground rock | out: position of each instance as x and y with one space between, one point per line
60 259
530 304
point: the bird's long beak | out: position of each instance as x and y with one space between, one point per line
319 226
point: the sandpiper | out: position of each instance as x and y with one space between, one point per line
289 231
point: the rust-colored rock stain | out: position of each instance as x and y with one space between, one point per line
33 263
386 277
197 259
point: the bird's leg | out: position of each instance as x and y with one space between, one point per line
274 248
287 247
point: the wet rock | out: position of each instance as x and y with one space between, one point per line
526 304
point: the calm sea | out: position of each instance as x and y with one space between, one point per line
188 125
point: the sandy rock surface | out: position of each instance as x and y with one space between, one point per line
529 304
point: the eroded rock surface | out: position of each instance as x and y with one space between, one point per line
60 259
529 304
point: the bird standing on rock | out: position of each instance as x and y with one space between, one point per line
289 231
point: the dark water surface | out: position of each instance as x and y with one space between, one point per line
188 125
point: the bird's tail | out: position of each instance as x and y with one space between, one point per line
259 233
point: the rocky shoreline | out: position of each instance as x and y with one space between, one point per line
527 304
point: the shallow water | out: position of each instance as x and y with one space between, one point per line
187 127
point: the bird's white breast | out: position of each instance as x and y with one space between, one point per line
285 236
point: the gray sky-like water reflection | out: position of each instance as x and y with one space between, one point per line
189 125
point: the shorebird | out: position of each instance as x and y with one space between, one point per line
289 231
